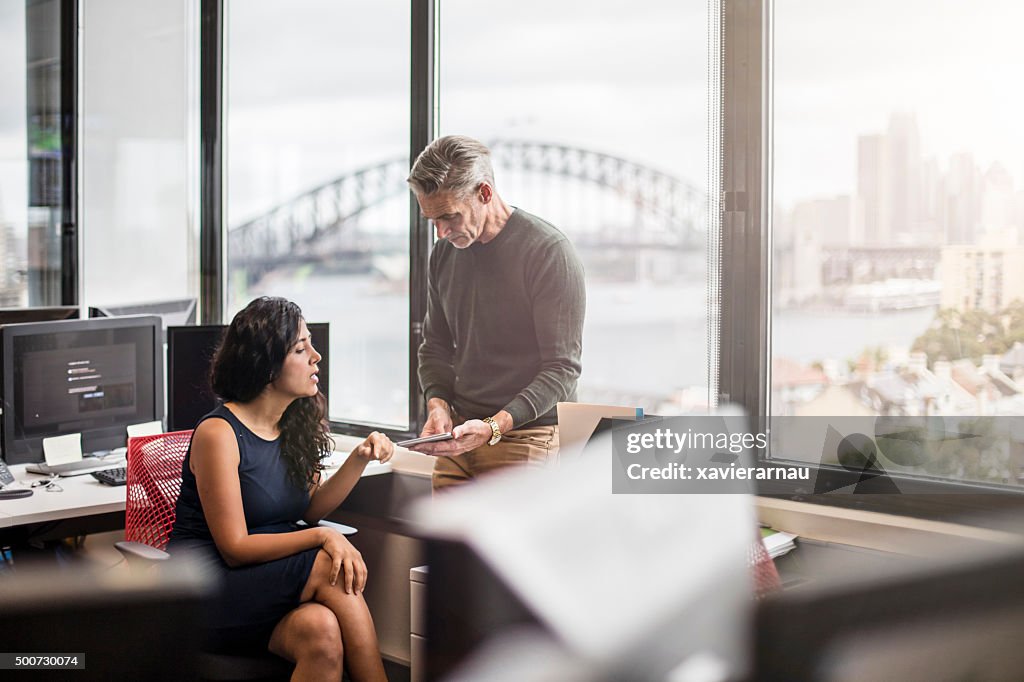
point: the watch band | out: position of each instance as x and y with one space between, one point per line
495 431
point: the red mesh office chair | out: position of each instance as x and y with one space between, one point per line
154 482
762 568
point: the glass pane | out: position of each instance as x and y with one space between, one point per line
30 154
139 116
598 126
898 211
317 207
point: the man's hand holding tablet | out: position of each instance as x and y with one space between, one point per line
467 436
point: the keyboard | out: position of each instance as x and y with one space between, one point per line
84 466
118 476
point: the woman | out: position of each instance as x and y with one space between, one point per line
252 470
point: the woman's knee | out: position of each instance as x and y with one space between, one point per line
318 633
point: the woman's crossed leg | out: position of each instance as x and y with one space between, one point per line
313 641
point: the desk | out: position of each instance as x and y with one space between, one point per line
87 500
81 496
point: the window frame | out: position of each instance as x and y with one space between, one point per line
745 338
423 88
69 95
70 244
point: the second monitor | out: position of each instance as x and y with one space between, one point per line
189 354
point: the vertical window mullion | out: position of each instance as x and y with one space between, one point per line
743 369
422 130
211 231
70 242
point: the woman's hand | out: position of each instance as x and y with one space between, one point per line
344 557
377 446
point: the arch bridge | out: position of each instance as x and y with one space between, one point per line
320 226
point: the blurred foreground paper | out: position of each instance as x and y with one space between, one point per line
633 582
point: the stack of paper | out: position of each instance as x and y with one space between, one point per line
778 543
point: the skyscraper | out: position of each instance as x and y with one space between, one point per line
872 184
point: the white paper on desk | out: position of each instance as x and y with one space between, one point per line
145 429
778 544
63 449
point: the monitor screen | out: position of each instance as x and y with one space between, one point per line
94 377
189 354
44 314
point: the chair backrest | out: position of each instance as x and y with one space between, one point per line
765 574
154 481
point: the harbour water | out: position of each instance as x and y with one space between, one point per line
642 341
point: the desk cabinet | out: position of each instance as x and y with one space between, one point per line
417 623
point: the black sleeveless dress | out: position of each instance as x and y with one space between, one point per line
253 598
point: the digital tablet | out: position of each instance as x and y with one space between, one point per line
425 439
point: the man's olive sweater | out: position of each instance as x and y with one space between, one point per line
504 324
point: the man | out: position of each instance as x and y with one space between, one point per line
502 338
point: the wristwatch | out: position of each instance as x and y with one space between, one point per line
495 431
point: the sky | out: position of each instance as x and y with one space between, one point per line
841 69
322 88
332 94
627 79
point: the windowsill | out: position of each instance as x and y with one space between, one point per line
874 530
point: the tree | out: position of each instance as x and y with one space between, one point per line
971 334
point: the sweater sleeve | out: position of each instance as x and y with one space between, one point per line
559 305
437 351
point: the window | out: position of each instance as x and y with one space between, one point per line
898 212
597 124
139 124
317 130
890 177
31 171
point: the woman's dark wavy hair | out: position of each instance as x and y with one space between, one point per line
249 357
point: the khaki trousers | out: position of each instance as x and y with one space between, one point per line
536 446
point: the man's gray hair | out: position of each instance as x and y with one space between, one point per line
454 163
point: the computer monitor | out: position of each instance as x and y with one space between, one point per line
174 312
189 354
43 314
94 377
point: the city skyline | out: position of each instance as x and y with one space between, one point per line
840 69
905 195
